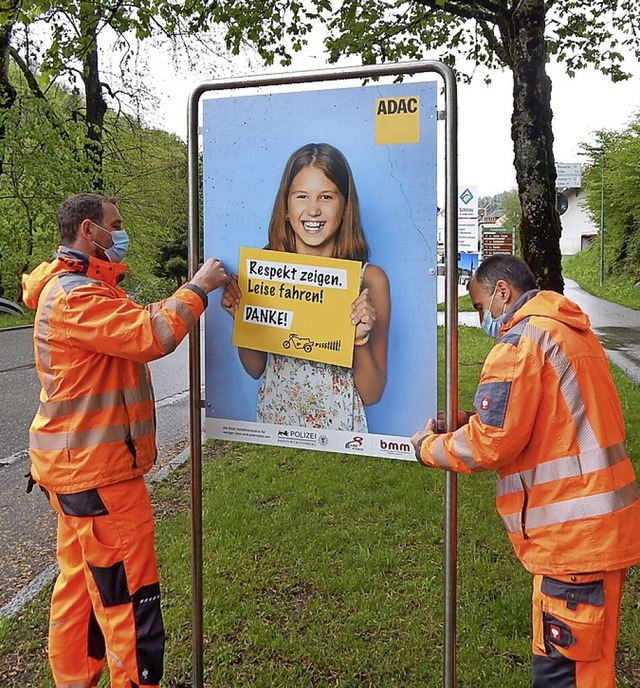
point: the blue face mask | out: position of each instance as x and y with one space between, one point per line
118 249
490 324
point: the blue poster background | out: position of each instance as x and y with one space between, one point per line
246 142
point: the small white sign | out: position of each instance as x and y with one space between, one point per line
569 175
468 235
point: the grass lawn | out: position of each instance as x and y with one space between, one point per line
327 570
26 318
584 268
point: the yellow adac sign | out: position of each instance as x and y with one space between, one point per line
296 305
397 120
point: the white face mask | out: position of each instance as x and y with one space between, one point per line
490 324
120 243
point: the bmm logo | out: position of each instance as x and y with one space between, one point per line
403 447
397 106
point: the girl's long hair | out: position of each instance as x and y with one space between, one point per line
350 240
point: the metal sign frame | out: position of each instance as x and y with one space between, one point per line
196 402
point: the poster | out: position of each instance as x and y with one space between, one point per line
297 305
387 133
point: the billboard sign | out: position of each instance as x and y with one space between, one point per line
350 398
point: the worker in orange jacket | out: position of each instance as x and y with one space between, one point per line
548 420
93 439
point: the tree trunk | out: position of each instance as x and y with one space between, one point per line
532 136
7 91
95 105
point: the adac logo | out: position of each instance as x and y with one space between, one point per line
355 443
397 120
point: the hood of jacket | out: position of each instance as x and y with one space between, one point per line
547 304
68 260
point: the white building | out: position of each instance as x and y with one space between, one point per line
577 228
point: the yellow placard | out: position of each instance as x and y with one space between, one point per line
296 305
397 120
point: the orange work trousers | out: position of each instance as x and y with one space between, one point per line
576 619
105 604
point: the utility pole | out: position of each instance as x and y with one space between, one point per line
601 216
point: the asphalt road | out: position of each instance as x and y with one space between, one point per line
27 524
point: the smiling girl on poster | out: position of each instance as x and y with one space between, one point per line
316 213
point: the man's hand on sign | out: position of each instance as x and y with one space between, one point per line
363 314
429 429
210 276
441 424
231 296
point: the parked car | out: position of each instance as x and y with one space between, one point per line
10 307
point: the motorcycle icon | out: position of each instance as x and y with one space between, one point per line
298 343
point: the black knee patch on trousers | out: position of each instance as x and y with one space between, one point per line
556 671
149 634
111 582
96 648
87 503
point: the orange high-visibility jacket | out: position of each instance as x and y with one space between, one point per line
95 423
549 422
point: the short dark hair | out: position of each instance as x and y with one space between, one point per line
505 267
82 206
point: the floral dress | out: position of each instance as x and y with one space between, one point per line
304 393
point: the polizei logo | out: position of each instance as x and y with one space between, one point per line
394 447
298 437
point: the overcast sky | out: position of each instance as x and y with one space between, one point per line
581 105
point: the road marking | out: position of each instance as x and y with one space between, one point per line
173 399
29 591
18 456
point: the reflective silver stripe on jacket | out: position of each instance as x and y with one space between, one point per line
47 441
565 467
439 455
162 328
42 348
461 448
575 509
591 456
95 402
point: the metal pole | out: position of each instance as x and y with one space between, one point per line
451 376
451 322
601 217
195 404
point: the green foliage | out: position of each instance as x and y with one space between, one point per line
576 33
146 170
41 165
44 164
613 176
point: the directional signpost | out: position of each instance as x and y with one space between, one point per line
568 175
497 241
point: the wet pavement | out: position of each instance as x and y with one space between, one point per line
617 328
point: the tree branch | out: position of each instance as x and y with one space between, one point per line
480 11
29 76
